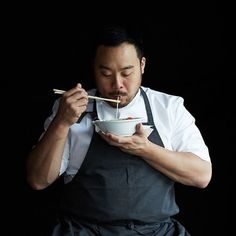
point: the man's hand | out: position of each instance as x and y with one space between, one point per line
72 104
134 144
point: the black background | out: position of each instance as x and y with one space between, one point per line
189 51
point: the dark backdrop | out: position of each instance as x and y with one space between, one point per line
189 52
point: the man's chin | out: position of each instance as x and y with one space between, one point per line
120 104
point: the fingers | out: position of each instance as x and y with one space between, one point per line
116 140
78 102
131 144
75 97
73 103
77 92
110 138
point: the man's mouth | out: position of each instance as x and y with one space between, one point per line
117 94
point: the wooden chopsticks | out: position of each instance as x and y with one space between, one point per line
59 91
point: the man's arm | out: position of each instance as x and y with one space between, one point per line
44 160
182 167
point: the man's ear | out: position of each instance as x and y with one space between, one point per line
143 63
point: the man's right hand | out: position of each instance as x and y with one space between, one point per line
72 104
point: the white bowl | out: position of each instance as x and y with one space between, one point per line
122 127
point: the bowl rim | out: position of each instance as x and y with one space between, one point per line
122 120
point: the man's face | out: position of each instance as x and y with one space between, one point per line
118 72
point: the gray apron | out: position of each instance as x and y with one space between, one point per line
115 193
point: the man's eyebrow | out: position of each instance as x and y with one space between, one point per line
127 67
103 67
123 68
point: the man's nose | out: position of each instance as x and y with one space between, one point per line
118 82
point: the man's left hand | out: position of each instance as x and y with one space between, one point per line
134 144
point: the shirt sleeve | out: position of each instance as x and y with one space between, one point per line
186 135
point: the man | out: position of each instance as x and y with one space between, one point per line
119 185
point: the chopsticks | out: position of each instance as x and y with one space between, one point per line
59 91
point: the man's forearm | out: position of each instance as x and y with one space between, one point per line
44 160
182 167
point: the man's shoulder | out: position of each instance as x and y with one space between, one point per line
160 96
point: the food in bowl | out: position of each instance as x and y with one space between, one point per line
122 127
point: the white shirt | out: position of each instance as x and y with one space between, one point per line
176 127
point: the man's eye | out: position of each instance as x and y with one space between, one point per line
126 74
106 74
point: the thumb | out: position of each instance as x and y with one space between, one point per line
139 129
79 85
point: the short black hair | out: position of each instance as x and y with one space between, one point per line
115 35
